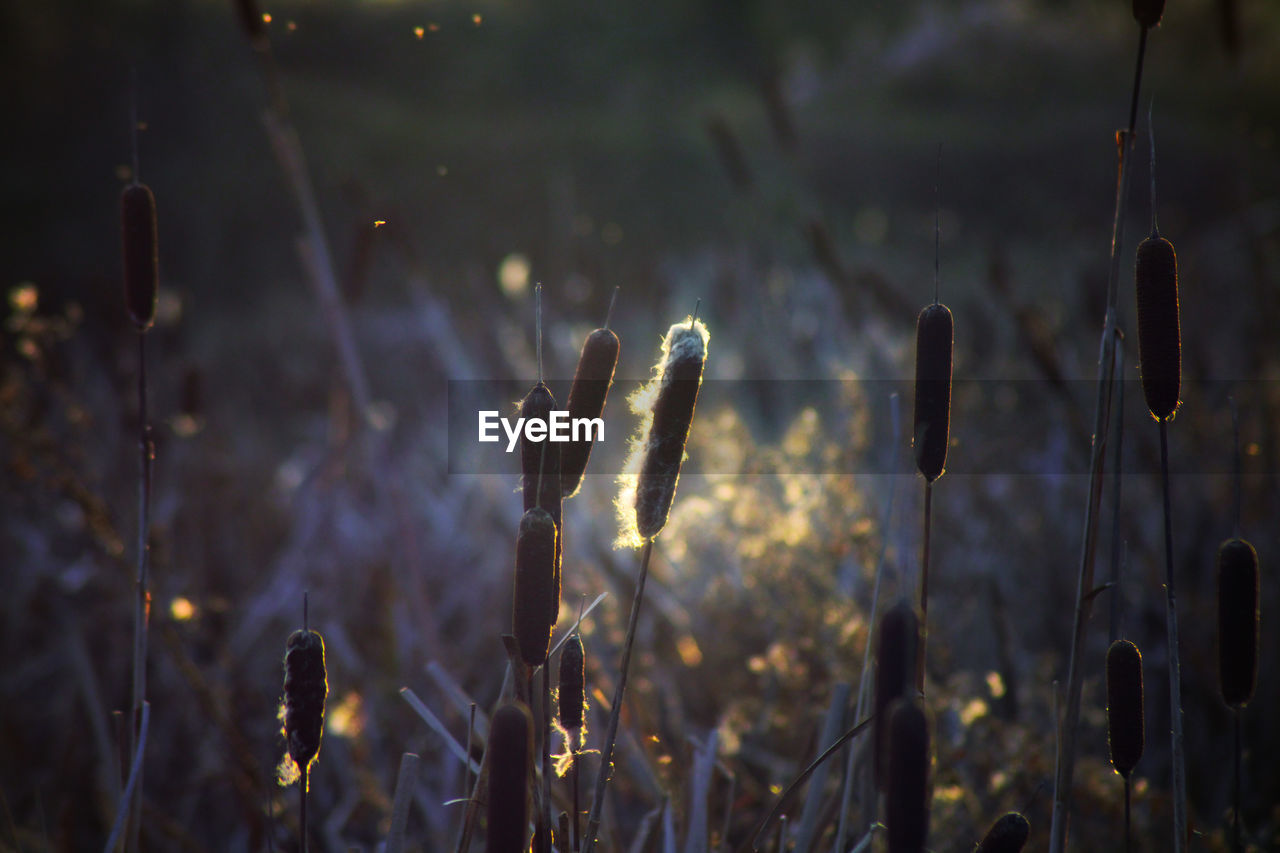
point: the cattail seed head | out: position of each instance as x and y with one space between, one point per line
535 594
907 793
510 762
141 257
896 659
1009 834
1237 621
1148 12
305 689
540 474
587 397
934 341
1159 338
666 405
1125 721
572 683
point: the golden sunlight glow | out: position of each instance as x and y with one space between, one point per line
266 17
378 223
690 654
182 610
347 718
975 709
24 298
513 275
419 32
476 19
995 684
949 794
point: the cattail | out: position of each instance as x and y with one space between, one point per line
907 793
1007 835
684 352
535 593
1237 621
572 683
1159 345
510 763
1125 725
1148 12
587 397
540 472
933 389
896 659
141 258
305 689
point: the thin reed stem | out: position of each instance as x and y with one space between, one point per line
1175 667
924 586
302 822
573 781
615 712
1117 476
546 758
1236 844
142 604
1128 839
1137 77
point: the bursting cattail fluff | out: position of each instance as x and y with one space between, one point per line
1009 834
141 256
1125 723
587 397
535 594
572 684
510 763
305 690
1148 12
1159 337
907 793
666 403
540 475
933 389
897 649
1237 621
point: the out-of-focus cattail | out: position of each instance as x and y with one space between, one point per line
510 763
572 683
897 651
933 389
1125 722
907 792
535 592
587 397
305 689
1159 340
729 150
141 257
1009 834
1148 12
1237 621
684 353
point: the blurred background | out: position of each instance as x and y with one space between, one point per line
778 161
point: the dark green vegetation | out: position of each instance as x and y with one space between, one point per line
576 136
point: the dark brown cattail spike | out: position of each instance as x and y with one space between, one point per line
907 793
510 765
1125 721
572 683
1009 834
1148 12
1159 336
685 353
141 257
305 689
534 585
897 650
1237 621
933 390
587 398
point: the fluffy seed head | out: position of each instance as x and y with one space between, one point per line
907 794
510 761
587 397
1237 621
666 403
896 658
933 389
1159 338
1007 835
1125 722
1148 12
141 257
572 683
535 592
305 689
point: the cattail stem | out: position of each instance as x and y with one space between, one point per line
142 605
302 820
1236 844
924 585
1175 667
546 758
1235 459
573 781
1117 594
1137 78
1128 840
615 712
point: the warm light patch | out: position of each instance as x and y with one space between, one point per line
182 610
995 684
949 794
378 223
419 32
347 718
974 710
513 275
688 649
24 298
292 26
477 19
266 17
